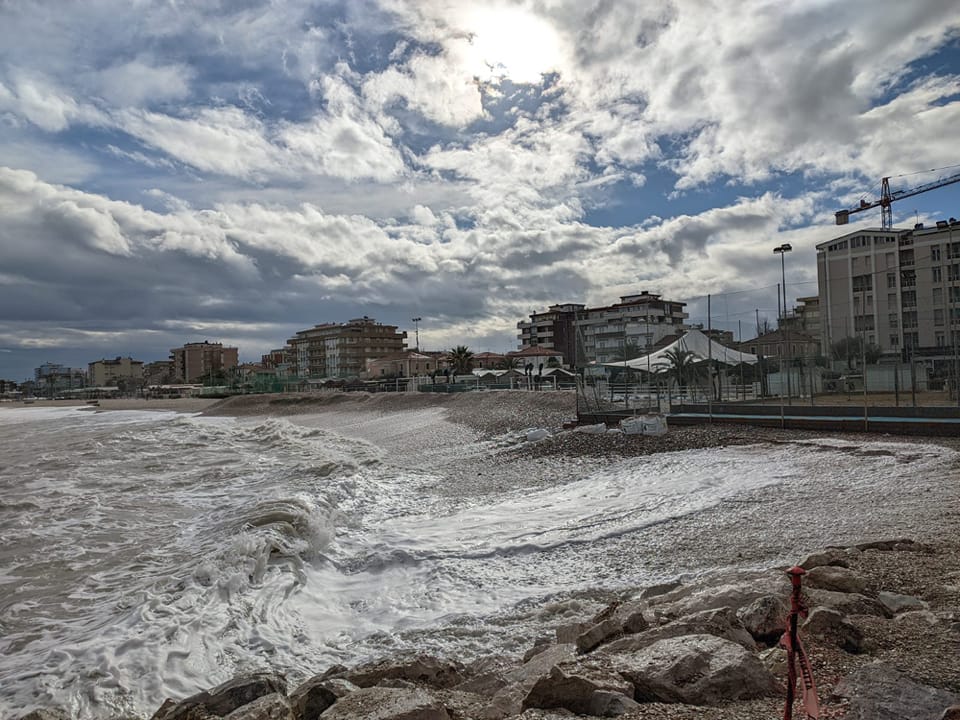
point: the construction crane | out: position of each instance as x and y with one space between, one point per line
887 198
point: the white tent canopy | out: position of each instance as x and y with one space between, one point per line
693 341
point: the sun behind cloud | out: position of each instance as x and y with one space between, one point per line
509 42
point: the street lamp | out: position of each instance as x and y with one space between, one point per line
416 326
783 250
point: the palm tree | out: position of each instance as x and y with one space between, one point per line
508 363
681 364
461 358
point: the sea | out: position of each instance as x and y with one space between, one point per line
146 555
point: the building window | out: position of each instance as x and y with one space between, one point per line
893 320
910 319
935 253
862 283
941 340
938 296
954 294
938 317
937 274
891 279
894 341
909 298
953 273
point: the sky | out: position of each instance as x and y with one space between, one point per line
235 171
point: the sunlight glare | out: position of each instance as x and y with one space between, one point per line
510 42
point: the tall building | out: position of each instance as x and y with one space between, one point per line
341 350
637 323
51 378
552 330
195 360
898 289
113 373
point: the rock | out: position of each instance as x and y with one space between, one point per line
834 627
538 648
846 603
598 634
420 669
888 545
880 692
765 618
831 577
695 669
634 621
720 622
223 699
315 695
508 700
540 664
830 556
661 589
559 690
775 660
604 703
380 703
951 713
897 603
47 714
733 591
569 632
266 707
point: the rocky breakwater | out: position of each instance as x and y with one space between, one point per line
882 634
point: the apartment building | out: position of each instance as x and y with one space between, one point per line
552 330
113 373
195 360
637 322
583 334
341 350
898 289
53 378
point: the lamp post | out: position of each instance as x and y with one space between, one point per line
416 330
783 250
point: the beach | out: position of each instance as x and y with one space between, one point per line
470 451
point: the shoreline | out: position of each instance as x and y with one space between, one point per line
474 444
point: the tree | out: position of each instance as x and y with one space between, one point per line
461 357
851 349
681 364
508 363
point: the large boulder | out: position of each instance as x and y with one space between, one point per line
266 707
695 669
834 628
598 634
721 622
508 700
224 698
880 692
838 579
897 603
315 695
830 556
846 603
765 618
604 703
381 703
572 691
420 669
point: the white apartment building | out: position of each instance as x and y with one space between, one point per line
638 321
898 289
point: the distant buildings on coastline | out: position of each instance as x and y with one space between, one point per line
895 292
